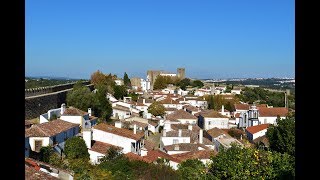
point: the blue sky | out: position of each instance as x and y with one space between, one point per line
210 38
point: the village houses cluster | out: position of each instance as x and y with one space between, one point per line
187 130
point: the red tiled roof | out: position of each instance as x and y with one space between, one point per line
184 133
149 145
237 115
191 108
180 114
49 129
152 123
72 111
215 132
225 110
272 112
241 106
168 100
170 109
132 156
121 108
211 114
257 128
139 124
153 155
33 174
201 154
119 131
185 147
102 147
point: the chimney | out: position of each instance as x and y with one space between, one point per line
134 129
89 111
222 109
190 127
118 124
143 101
63 108
200 136
87 137
164 133
176 147
180 132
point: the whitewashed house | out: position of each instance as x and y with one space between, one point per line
119 82
183 117
221 139
174 137
130 141
170 103
53 133
224 112
202 155
191 109
236 90
98 150
254 132
183 148
239 108
208 119
121 112
77 116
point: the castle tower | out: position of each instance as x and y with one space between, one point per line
181 73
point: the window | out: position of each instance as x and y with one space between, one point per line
38 145
187 122
54 140
209 122
175 141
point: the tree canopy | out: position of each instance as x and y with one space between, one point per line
75 148
126 80
197 83
282 136
192 169
156 109
120 91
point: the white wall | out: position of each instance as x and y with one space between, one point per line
113 139
174 165
73 119
176 152
236 91
121 114
169 140
221 123
45 141
94 156
44 118
259 134
268 120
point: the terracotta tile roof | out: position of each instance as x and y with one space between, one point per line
168 100
28 122
191 108
49 129
132 156
262 139
170 109
176 127
184 133
139 124
237 115
225 110
257 128
33 174
272 112
137 103
119 131
262 105
185 147
180 114
121 108
211 114
241 106
153 155
152 123
72 111
147 100
102 147
202 154
215 132
149 145
92 118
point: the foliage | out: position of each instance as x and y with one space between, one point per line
98 78
102 107
197 83
192 169
162 82
141 113
156 109
54 116
236 133
216 101
210 101
45 153
250 163
126 80
41 82
75 147
134 96
120 91
111 154
282 136
80 97
184 83
228 89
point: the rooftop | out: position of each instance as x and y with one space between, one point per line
132 156
272 112
49 129
201 154
119 131
168 100
153 155
180 114
257 128
121 108
241 106
72 111
215 132
211 114
185 147
102 147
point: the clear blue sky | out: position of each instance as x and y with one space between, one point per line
210 38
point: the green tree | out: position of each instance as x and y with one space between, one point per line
282 136
160 82
197 83
101 106
80 97
45 153
112 154
210 101
126 80
192 169
156 109
184 83
98 78
134 96
75 147
120 91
